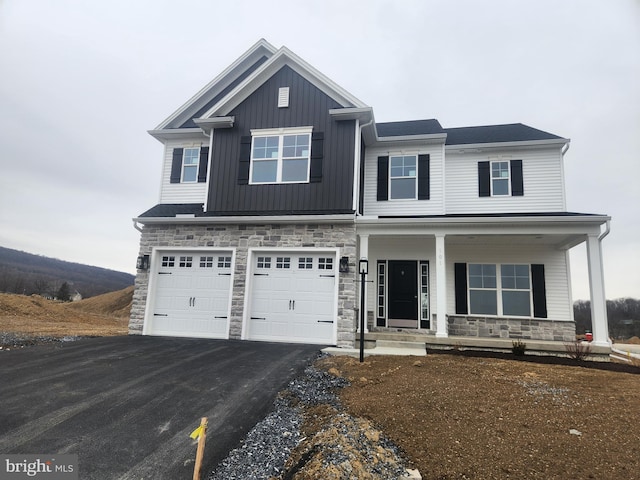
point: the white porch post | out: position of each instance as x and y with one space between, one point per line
596 287
364 254
441 287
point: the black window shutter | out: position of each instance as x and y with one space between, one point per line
484 179
383 178
176 166
539 291
423 177
517 184
317 153
245 160
204 160
460 279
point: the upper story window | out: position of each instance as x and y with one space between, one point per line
282 157
500 178
189 165
190 161
402 176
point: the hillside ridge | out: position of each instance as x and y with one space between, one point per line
27 273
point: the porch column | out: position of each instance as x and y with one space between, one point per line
596 288
364 254
441 287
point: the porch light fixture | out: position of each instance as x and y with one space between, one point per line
344 265
363 266
143 262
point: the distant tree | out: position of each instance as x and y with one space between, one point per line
40 285
623 315
64 292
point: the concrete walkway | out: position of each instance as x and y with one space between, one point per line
126 405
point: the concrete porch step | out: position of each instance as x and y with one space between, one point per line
383 347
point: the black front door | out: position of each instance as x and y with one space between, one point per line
403 293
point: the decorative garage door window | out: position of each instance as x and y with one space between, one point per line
206 262
168 261
325 263
186 262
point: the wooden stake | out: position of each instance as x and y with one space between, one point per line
200 452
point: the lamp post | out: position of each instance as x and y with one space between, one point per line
363 268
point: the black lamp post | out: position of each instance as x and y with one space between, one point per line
363 268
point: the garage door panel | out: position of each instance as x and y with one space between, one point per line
191 295
295 304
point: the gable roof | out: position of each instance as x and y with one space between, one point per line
514 132
217 88
282 57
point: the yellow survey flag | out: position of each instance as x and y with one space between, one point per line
197 432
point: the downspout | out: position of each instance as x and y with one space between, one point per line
358 146
136 226
206 192
606 231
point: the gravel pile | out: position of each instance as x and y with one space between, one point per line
10 340
341 447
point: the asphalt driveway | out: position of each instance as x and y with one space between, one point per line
126 405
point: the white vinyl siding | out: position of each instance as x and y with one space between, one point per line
433 206
542 178
192 192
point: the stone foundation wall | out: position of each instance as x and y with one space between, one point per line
515 328
243 237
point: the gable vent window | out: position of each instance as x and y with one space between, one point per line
283 97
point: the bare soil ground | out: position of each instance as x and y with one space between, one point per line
480 417
36 316
454 416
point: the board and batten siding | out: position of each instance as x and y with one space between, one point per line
308 106
542 177
180 192
555 263
433 206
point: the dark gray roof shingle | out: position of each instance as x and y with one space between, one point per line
514 132
411 127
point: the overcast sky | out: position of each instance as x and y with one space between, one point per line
82 81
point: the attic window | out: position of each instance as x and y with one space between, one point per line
283 97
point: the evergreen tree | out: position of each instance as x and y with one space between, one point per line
64 292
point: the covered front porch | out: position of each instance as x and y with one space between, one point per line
483 278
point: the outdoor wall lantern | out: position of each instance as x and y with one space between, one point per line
363 266
143 262
344 265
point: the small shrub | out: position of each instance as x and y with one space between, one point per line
518 347
578 350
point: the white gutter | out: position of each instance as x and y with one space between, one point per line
528 143
598 219
136 226
606 230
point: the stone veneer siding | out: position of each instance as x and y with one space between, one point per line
537 329
242 237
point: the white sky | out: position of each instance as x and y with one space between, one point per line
81 82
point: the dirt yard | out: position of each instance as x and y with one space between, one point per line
38 317
463 417
454 416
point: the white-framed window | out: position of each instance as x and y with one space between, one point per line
424 292
500 289
500 178
264 262
186 262
206 262
190 163
305 263
283 262
168 261
280 156
403 174
325 263
381 294
224 262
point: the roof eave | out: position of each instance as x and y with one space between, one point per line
173 133
252 219
423 138
560 142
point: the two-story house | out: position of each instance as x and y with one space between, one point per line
276 182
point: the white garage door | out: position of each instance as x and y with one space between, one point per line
293 297
191 294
